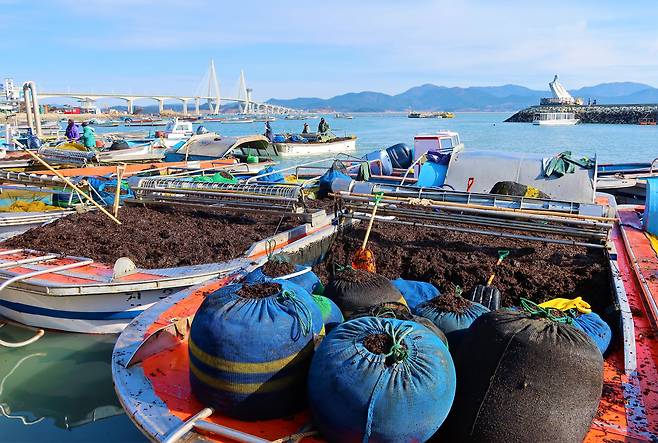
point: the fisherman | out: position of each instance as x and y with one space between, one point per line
72 131
268 131
323 127
305 130
88 138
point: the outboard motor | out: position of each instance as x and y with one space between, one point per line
33 141
201 130
401 155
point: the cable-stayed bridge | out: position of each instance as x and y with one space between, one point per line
208 92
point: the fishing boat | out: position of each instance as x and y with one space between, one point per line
626 181
235 120
145 122
254 150
150 363
426 115
313 144
175 132
106 123
212 118
265 119
554 119
133 350
78 294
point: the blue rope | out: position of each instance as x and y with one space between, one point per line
301 312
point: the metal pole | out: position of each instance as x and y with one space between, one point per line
67 181
483 232
117 193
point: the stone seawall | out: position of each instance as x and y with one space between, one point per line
610 114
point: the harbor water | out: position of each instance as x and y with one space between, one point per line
60 388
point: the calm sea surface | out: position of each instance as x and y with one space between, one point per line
60 388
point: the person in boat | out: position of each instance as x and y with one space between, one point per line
305 130
88 138
323 127
72 131
268 131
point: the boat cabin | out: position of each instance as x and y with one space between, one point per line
178 129
554 118
443 142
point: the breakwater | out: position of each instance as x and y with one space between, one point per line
609 114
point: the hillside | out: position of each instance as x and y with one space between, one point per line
430 97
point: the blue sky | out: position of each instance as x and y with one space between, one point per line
291 48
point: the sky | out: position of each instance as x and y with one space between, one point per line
293 49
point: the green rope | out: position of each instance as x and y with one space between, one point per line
502 254
535 310
398 352
378 197
300 309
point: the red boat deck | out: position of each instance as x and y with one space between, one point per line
629 406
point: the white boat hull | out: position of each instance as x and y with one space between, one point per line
100 308
296 149
555 122
98 314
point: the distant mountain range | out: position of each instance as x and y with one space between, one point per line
430 97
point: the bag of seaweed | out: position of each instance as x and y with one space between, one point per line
380 379
527 376
250 347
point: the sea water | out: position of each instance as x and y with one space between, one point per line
482 131
60 388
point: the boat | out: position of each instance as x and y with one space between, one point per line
78 294
265 119
150 363
73 154
430 115
132 351
106 123
145 122
237 120
313 144
253 150
647 121
343 115
175 132
626 181
554 119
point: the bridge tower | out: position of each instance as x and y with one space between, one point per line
243 94
209 87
